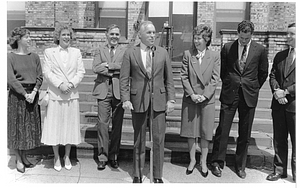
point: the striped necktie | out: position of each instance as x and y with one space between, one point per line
243 58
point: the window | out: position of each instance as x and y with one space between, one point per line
180 17
112 12
229 14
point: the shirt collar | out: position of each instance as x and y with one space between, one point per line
63 49
246 44
143 46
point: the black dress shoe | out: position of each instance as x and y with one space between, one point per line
241 174
137 180
275 176
204 174
188 172
216 170
30 165
158 180
101 165
114 163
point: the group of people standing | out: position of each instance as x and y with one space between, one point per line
139 79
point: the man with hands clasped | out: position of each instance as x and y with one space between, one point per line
283 84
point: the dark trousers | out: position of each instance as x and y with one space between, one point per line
139 121
227 113
283 123
109 109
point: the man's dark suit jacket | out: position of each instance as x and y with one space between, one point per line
251 79
280 80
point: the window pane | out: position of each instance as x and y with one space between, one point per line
158 9
228 15
112 4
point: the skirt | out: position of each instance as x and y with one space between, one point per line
197 120
61 123
23 122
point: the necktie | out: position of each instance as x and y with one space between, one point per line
112 52
243 58
148 62
289 60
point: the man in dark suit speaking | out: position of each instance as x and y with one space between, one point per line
244 69
144 66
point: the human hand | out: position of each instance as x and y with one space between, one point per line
127 105
195 98
279 93
282 100
64 88
105 64
170 107
31 97
201 98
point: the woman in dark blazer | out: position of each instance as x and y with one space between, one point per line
200 74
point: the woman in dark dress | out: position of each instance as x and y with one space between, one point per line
24 78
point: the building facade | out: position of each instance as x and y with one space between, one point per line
174 22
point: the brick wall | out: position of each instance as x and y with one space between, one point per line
274 41
272 16
268 17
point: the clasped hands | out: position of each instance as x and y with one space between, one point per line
198 98
29 97
279 95
65 88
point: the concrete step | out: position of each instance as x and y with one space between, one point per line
259 124
176 148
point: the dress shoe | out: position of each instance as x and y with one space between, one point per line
275 176
57 167
241 174
21 170
188 172
158 180
204 174
216 170
68 164
30 165
137 180
101 165
114 163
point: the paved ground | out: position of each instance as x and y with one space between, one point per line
84 171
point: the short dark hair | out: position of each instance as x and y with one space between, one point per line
292 25
16 34
112 26
57 32
245 27
206 31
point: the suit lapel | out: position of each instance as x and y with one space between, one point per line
118 50
205 61
251 52
196 66
138 58
59 61
235 54
106 52
291 68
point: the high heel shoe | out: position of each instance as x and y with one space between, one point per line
69 166
57 168
204 174
188 172
30 165
21 170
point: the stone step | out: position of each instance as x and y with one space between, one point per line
259 124
259 113
86 96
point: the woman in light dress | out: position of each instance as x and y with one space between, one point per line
63 70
